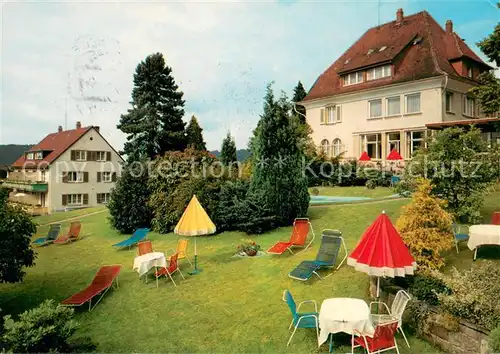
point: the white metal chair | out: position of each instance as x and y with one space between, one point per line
394 313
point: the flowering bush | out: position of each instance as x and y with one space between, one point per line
249 247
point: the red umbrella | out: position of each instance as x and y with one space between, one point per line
381 252
364 157
394 155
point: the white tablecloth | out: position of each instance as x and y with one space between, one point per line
480 235
144 263
343 315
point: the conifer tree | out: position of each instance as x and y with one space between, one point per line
154 123
228 150
194 135
299 93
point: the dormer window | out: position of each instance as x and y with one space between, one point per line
29 156
469 72
38 155
378 72
370 51
382 48
353 78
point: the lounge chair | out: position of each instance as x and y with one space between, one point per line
331 241
300 231
144 247
101 283
139 235
301 319
54 230
72 235
173 267
181 250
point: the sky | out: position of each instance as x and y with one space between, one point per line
64 61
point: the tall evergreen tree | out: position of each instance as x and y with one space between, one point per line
154 123
278 157
194 135
299 93
228 150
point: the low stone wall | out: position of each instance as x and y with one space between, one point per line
464 338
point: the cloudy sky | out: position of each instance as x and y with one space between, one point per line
61 54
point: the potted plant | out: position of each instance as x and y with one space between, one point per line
248 247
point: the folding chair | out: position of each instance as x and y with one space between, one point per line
301 320
298 238
139 235
383 339
72 235
173 267
181 250
460 234
52 234
144 247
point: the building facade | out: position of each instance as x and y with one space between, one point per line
68 169
388 86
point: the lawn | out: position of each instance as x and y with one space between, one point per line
234 305
361 191
57 217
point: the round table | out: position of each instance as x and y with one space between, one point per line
343 315
480 235
142 264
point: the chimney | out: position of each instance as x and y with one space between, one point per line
97 128
399 16
59 130
449 27
78 125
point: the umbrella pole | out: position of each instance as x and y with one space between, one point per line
195 270
378 287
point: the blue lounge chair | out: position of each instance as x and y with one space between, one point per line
301 320
331 241
52 235
139 235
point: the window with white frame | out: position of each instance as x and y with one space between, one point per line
80 155
353 78
106 176
74 199
337 147
325 147
375 108
100 156
449 101
393 106
379 72
412 103
414 140
103 198
333 114
29 156
468 106
372 144
394 142
75 177
42 175
38 155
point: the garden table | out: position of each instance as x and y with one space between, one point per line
142 264
343 315
480 235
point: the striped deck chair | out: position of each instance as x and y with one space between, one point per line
300 232
331 242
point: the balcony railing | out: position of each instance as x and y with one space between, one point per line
27 186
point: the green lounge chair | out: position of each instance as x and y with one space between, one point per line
331 241
51 236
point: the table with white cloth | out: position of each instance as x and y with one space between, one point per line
481 235
142 264
343 315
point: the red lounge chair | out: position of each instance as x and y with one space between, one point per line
301 227
173 267
101 283
72 235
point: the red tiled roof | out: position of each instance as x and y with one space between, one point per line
57 143
430 57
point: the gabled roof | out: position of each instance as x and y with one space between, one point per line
418 47
56 143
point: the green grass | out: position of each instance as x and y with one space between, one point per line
234 305
57 217
360 191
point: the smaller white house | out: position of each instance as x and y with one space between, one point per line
67 169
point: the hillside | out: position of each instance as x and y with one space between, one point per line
241 154
10 153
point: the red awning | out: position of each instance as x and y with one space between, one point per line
394 155
364 157
381 251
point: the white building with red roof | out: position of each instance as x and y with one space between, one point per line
396 82
66 169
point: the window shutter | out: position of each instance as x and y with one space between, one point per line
85 177
64 199
65 177
99 178
322 116
464 104
113 177
91 155
98 195
73 155
85 199
339 118
108 155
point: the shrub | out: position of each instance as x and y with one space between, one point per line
425 227
128 205
427 287
46 328
494 340
416 316
474 294
371 184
